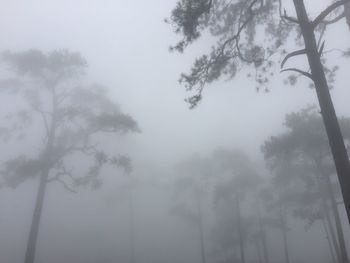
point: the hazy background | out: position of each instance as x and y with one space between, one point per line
126 46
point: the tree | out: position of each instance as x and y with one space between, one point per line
239 178
192 183
72 115
301 154
262 196
238 27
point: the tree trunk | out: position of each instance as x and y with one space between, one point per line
262 235
347 13
331 231
131 222
325 191
200 227
284 232
47 164
331 248
33 235
338 225
240 230
330 120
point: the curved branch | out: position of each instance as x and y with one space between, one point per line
304 73
327 11
334 20
65 186
293 54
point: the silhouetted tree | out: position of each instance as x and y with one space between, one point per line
252 33
240 177
302 154
261 198
72 117
192 183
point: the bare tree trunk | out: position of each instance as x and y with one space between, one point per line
200 227
325 191
131 222
47 162
331 248
240 230
262 235
284 232
338 225
34 229
331 231
330 120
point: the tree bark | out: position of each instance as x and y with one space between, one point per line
34 230
330 120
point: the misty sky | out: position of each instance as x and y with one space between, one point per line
126 45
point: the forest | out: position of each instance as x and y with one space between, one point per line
181 131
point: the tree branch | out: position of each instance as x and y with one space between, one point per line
334 20
321 49
304 73
288 18
65 186
293 54
327 11
57 178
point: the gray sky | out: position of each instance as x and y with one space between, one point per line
126 45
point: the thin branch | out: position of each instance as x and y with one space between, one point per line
240 29
45 123
304 73
289 18
327 11
65 186
321 49
293 54
57 178
321 35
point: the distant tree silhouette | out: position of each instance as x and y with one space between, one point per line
72 117
240 178
301 157
191 182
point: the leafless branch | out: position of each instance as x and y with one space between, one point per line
321 48
319 19
304 73
65 185
293 54
334 20
289 18
57 178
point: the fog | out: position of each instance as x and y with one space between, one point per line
131 173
